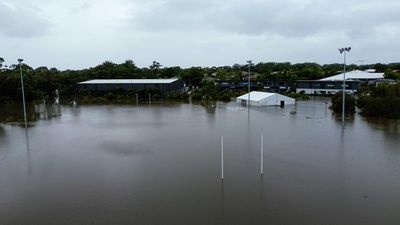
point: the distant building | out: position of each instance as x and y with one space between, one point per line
381 81
334 84
356 75
267 85
258 98
164 85
311 87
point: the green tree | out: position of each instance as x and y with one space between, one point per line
193 76
381 101
170 72
337 103
390 74
1 62
155 68
47 80
380 68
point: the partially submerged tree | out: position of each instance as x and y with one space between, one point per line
381 101
337 103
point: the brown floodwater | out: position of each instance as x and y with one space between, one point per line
161 164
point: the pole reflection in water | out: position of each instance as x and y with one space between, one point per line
48 111
341 145
262 200
28 152
222 202
248 119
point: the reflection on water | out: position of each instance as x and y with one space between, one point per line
2 131
11 113
28 152
389 126
222 196
161 165
124 149
48 111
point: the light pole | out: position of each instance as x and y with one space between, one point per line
248 83
23 92
343 51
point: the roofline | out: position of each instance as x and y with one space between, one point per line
129 81
329 80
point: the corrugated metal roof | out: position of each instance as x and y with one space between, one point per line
355 75
129 81
256 95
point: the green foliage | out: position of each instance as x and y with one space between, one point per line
193 76
337 103
381 101
209 88
177 96
42 82
380 68
197 95
1 62
260 87
298 96
390 74
225 97
211 92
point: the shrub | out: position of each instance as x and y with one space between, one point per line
197 95
337 103
382 101
225 97
298 96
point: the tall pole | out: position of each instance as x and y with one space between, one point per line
23 91
248 84
344 87
343 51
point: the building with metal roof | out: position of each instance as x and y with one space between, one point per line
334 84
258 98
311 87
164 85
355 75
129 81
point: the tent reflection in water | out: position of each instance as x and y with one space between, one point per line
258 98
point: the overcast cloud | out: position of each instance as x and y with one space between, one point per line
78 34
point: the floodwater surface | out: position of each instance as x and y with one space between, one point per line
161 164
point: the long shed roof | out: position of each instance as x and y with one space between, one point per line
355 75
129 81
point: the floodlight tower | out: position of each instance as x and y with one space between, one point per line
22 89
249 63
343 51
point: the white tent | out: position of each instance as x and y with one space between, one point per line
258 98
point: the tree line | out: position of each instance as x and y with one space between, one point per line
42 82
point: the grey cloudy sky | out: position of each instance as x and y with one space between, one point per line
78 34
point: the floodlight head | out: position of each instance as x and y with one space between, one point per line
249 61
346 49
20 60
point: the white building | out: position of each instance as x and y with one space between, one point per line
258 98
334 84
355 75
